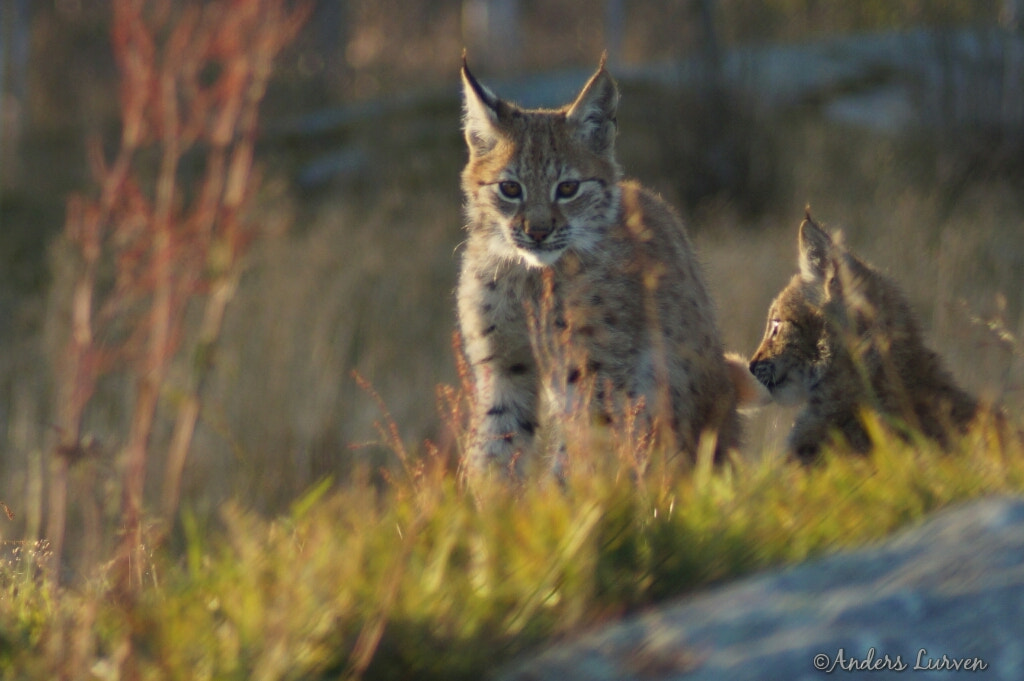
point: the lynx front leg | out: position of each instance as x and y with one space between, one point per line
807 437
505 417
498 349
812 431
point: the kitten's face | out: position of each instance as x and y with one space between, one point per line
538 193
539 183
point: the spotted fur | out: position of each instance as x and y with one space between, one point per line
577 286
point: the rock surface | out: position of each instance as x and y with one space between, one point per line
947 592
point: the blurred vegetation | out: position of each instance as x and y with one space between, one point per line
424 580
314 545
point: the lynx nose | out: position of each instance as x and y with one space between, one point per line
764 372
537 230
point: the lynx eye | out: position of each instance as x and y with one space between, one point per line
510 189
567 189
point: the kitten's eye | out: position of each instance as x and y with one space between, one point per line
510 189
776 323
567 189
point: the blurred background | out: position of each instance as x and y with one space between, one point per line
900 122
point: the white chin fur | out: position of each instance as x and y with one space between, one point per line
789 394
540 258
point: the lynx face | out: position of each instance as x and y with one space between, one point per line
788 360
543 181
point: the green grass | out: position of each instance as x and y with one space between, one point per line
424 579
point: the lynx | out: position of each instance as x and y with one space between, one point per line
577 287
842 339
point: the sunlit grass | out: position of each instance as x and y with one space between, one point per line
426 579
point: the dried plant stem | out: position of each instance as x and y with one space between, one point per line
128 565
188 411
231 188
81 361
164 241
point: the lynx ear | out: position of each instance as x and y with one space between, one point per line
592 115
817 252
480 114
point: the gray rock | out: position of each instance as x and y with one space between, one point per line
949 591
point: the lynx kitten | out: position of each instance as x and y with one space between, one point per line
841 339
578 288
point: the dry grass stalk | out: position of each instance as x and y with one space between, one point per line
160 236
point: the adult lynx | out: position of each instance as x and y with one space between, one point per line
578 288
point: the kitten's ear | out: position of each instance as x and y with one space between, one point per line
592 115
817 253
480 114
